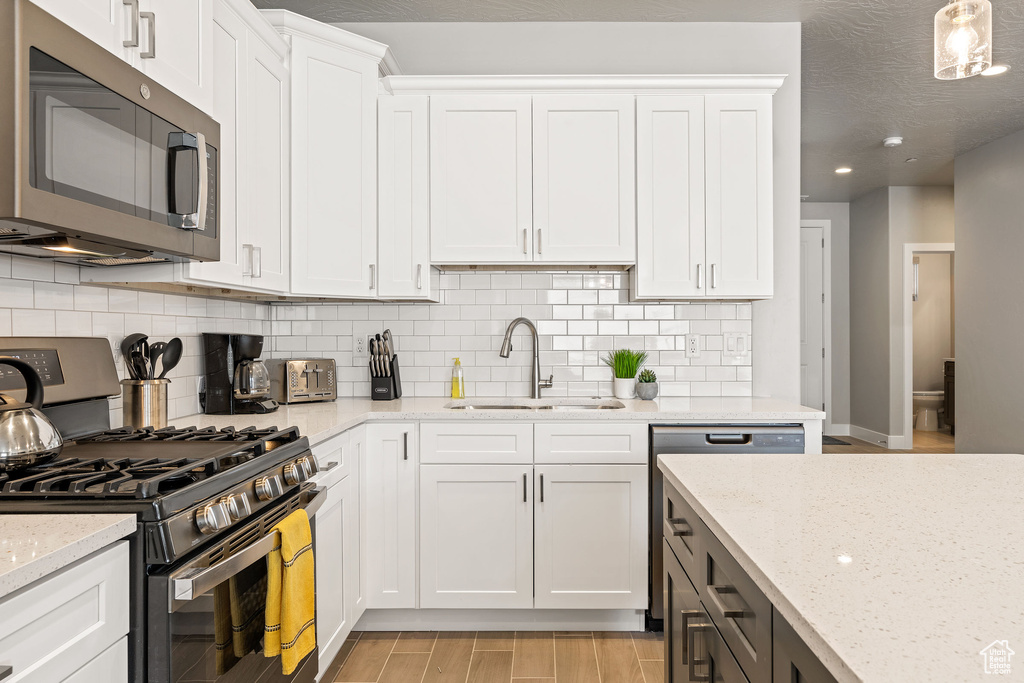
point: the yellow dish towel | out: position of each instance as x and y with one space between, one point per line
291 594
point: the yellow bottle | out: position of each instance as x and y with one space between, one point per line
458 385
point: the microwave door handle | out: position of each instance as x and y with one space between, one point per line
188 584
197 142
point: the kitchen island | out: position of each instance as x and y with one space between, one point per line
889 567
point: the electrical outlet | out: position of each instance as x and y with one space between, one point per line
693 346
360 346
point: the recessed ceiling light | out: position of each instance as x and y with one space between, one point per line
843 169
996 69
911 160
893 141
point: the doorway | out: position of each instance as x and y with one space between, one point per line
815 317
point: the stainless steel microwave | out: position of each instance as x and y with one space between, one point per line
98 164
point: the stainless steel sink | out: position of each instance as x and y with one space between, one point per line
537 404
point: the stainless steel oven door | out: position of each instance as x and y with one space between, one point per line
206 614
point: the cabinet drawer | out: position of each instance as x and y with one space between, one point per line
739 609
682 530
476 443
710 656
682 604
335 455
792 660
593 443
110 667
59 624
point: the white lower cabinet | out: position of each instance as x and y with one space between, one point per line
590 544
476 536
391 471
67 626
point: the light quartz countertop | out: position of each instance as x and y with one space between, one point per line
891 567
33 546
320 421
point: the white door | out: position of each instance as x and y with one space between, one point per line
229 103
332 611
590 548
391 465
266 168
480 179
476 536
106 22
334 181
670 197
175 47
812 316
584 179
403 224
738 161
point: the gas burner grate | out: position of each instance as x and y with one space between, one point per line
186 434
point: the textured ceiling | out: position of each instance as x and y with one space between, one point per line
866 74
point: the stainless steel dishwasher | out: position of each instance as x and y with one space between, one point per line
760 438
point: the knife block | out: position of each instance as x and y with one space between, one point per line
387 388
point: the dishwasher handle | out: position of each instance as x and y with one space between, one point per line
728 439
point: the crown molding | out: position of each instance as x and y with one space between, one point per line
696 84
291 24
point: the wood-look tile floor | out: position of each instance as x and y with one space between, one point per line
924 442
499 657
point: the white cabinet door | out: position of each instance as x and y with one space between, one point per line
583 179
175 44
334 181
670 197
355 530
403 223
332 562
230 51
105 22
480 179
739 195
266 167
391 466
109 667
476 536
591 537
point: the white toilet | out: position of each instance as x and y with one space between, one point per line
926 409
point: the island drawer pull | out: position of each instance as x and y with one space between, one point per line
681 532
691 642
6 671
727 613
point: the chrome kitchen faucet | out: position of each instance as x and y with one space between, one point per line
536 383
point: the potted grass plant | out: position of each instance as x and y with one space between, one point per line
647 385
625 363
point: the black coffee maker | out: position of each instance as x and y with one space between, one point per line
237 381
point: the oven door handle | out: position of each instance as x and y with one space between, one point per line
191 583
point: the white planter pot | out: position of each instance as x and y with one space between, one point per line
624 387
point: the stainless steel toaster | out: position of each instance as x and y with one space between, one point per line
303 380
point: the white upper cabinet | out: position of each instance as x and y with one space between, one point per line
583 179
704 197
403 201
334 157
105 22
480 179
670 196
175 45
739 195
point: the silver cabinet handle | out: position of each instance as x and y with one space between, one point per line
676 532
714 276
150 18
405 445
524 487
542 488
540 250
700 276
717 601
331 465
524 242
372 273
257 261
197 142
688 614
691 641
247 259
419 276
5 671
134 40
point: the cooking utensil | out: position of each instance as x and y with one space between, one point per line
156 350
171 356
27 437
127 345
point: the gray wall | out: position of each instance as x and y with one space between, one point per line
989 184
651 47
869 311
933 320
839 214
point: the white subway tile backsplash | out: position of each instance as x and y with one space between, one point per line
28 322
32 269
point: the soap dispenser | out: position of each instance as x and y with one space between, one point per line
458 384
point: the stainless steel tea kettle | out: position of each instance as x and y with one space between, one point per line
27 437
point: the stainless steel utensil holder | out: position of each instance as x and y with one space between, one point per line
144 402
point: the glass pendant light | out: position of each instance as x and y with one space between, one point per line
963 39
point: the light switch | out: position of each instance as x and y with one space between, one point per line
737 344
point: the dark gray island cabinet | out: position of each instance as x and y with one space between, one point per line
719 626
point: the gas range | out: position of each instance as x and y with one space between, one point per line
185 485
